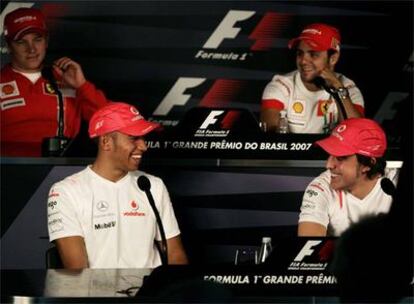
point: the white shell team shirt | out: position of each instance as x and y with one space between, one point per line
337 210
115 219
307 111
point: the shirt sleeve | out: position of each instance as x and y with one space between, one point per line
315 203
62 216
355 95
276 94
167 214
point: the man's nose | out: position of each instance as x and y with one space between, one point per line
142 145
330 162
31 47
304 58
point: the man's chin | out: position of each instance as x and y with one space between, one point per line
307 77
336 186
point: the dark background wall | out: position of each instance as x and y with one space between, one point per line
151 52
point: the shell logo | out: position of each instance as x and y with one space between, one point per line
8 89
297 107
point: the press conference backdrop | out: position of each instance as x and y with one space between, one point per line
169 56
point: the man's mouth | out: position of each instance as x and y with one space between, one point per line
137 156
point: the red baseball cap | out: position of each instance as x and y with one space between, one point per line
319 36
355 136
22 21
122 117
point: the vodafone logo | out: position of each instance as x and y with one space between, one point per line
341 129
134 110
267 30
134 205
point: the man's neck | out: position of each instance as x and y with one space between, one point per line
106 171
364 187
309 85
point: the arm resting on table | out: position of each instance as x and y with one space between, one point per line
72 252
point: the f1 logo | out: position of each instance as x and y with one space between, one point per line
226 28
211 119
306 250
176 96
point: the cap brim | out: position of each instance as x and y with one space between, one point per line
28 30
333 146
140 128
314 45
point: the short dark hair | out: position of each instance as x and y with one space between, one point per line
375 168
331 52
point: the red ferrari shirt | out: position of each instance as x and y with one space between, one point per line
29 111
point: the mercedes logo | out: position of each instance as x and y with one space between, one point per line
102 206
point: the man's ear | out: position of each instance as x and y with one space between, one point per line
106 142
373 161
333 60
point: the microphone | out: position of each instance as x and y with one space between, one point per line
145 185
388 187
55 146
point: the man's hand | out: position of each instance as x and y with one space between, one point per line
69 73
330 78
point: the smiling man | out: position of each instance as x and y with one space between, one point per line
351 187
98 217
29 105
309 108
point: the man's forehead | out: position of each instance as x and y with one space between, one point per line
31 35
304 47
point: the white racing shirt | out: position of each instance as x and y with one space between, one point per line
337 210
307 111
115 219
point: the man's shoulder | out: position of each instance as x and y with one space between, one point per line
322 182
287 79
284 83
6 73
78 179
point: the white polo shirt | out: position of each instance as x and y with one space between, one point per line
114 218
307 111
337 210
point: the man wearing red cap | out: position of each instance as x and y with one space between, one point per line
99 218
308 107
351 188
29 103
